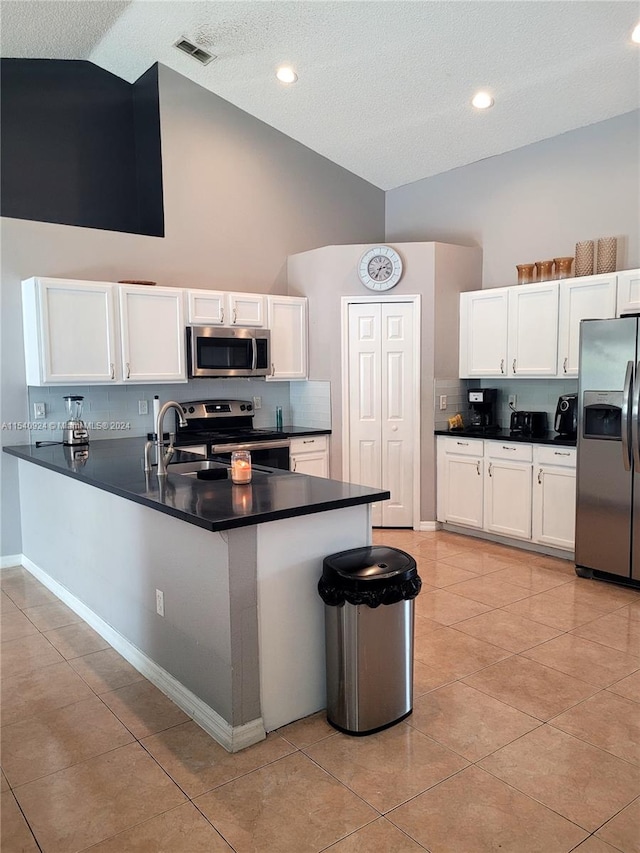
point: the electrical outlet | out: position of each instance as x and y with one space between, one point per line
160 602
257 402
39 410
512 399
443 402
143 407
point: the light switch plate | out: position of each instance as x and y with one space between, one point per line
443 402
39 411
257 402
143 407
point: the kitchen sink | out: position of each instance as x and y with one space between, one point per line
203 468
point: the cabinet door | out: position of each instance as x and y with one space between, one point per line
70 333
507 505
483 332
153 334
589 298
533 330
245 309
628 292
554 506
315 463
206 307
287 320
463 490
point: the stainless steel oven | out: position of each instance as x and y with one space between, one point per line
214 351
273 454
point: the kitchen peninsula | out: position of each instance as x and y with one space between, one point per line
240 645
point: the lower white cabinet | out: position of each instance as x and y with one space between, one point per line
514 489
507 504
310 455
554 496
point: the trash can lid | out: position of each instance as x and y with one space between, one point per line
376 563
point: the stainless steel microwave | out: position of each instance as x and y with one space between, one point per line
221 351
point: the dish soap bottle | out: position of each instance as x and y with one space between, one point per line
278 417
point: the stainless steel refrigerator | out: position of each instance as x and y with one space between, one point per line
608 476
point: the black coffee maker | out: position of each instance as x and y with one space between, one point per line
482 408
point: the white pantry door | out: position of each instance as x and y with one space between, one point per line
381 406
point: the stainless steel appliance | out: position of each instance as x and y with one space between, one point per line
482 409
566 418
217 351
608 477
529 424
222 426
74 430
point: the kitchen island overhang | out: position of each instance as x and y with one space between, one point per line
241 645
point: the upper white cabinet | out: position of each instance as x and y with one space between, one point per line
221 308
89 333
628 292
206 307
587 298
533 330
245 309
287 320
153 337
69 331
483 332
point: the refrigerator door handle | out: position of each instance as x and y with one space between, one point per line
627 411
635 414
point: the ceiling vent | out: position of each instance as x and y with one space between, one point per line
186 46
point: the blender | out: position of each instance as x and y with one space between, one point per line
74 430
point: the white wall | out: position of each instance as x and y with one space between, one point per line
239 197
534 203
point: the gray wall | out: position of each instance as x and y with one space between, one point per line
533 203
239 198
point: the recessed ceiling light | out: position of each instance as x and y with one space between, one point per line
635 35
482 100
286 74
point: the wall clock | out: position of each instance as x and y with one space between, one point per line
380 268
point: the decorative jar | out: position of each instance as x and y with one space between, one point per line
563 267
544 270
584 257
607 254
241 466
525 273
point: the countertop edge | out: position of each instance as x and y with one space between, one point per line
550 440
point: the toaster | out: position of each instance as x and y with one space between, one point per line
531 424
566 419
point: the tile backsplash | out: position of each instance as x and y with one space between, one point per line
311 404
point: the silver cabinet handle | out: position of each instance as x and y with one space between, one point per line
128 370
490 467
222 315
564 365
308 440
504 447
540 476
273 369
113 370
463 443
294 465
502 365
478 467
235 315
514 365
558 453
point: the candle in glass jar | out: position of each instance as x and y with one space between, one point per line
241 466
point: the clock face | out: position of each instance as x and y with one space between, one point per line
380 268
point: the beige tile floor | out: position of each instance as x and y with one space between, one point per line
525 734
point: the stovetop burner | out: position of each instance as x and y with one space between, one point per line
223 421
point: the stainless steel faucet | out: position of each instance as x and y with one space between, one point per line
163 457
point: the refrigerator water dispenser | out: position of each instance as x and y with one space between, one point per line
602 415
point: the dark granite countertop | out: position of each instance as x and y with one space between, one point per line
116 466
549 437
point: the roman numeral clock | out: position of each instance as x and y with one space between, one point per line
380 268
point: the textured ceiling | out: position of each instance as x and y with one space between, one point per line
384 87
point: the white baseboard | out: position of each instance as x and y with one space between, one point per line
232 738
10 561
429 526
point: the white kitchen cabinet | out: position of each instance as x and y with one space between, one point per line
69 331
206 307
245 309
287 321
483 332
628 292
585 298
554 496
461 481
533 330
507 504
152 334
310 455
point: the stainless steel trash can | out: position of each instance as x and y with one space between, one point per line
369 603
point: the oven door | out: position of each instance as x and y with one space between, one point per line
271 454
